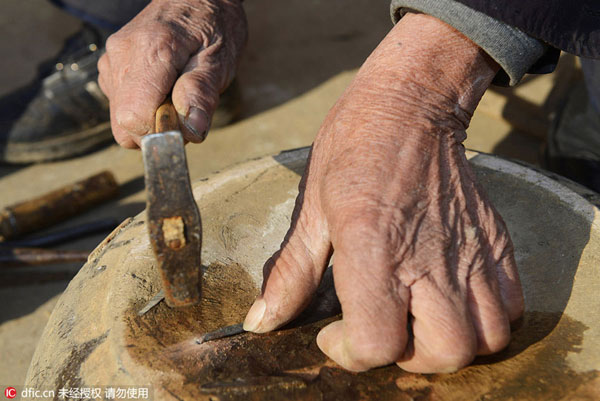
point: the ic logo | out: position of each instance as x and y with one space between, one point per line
10 392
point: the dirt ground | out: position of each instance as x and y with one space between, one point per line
300 57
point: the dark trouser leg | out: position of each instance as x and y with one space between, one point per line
573 147
107 15
591 73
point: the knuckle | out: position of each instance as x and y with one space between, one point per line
497 340
124 141
127 120
452 358
375 235
113 43
129 145
354 226
103 64
130 121
165 54
203 84
368 356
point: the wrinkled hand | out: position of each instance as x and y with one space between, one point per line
188 46
424 266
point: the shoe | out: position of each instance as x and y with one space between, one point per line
573 144
63 112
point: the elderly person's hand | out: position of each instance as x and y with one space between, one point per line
188 46
424 266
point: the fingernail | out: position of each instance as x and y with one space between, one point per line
197 122
255 315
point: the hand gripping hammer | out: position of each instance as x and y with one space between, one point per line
173 218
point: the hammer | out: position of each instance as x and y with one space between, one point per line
173 219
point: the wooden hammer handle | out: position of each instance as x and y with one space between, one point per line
166 117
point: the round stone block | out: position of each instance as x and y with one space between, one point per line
95 337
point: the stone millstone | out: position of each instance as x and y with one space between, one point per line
95 338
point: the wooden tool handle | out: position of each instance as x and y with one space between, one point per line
17 257
166 117
49 209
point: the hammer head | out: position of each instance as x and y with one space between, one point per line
173 217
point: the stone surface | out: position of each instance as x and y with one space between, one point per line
94 335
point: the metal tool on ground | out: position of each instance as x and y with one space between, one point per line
155 300
173 218
223 332
63 235
19 257
56 206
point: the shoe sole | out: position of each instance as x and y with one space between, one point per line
56 148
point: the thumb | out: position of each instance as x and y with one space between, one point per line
196 92
292 275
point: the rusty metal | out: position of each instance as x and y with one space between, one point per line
19 257
223 332
64 235
155 300
173 218
56 206
324 304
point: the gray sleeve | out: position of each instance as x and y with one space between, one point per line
515 51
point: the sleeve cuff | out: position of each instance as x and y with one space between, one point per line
515 51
